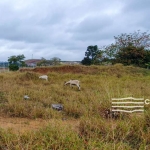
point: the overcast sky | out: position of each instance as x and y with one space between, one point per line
65 28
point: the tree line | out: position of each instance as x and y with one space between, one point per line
128 49
15 62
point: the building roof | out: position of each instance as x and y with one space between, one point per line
33 61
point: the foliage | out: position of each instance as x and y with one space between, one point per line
131 56
15 62
129 49
93 56
15 59
52 61
43 62
137 39
55 61
13 67
86 61
110 51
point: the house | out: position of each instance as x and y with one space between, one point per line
32 62
70 62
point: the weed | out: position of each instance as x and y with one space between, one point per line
98 85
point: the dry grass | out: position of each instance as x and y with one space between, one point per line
86 107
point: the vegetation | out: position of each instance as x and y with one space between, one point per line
128 49
132 49
43 62
93 55
52 61
55 61
15 62
91 130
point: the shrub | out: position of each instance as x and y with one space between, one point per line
13 67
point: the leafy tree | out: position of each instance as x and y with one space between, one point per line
129 49
86 61
55 61
137 39
15 62
13 67
131 55
147 59
93 55
110 51
43 62
52 61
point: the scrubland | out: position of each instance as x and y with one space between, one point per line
90 129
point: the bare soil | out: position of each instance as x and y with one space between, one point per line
61 69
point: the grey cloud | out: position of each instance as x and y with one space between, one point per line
64 29
27 34
93 29
93 24
137 6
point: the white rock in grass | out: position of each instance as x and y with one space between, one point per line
26 97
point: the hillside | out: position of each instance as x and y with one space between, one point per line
117 69
83 122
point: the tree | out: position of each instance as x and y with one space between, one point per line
131 55
147 59
43 62
137 39
55 61
15 62
52 61
93 55
86 61
129 48
110 51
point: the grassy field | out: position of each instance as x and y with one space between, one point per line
82 124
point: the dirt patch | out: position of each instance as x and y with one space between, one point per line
21 125
62 69
115 70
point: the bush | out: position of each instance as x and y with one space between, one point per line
13 67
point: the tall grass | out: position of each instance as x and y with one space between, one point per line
98 85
